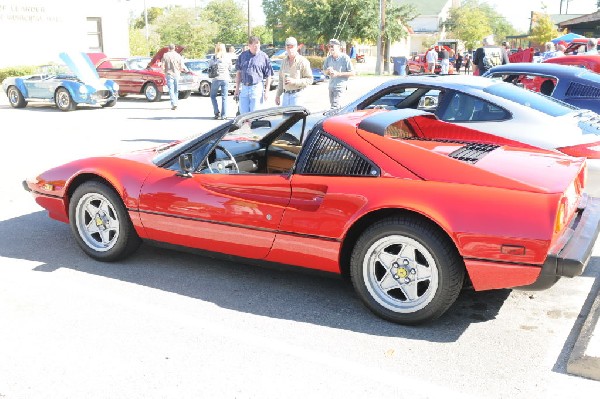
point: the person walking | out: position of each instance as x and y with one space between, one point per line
253 76
489 55
173 65
222 61
431 57
467 64
294 75
458 62
339 68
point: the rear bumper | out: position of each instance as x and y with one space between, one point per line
570 257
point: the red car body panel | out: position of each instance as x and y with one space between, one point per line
500 214
591 62
418 64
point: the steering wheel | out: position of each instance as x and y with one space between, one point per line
222 165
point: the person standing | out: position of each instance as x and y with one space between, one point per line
467 64
338 67
489 55
458 62
431 58
444 61
253 75
173 65
592 46
295 74
221 82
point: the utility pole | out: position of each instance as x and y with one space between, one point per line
378 69
249 30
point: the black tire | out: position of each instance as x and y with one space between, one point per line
63 100
204 88
15 97
184 94
151 92
106 235
423 275
109 104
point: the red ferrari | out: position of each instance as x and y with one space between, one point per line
410 218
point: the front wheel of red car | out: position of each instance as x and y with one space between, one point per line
406 271
100 223
151 92
15 97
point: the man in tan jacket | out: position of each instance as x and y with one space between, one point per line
294 75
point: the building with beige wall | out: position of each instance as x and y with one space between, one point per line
34 32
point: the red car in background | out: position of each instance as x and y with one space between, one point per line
591 62
418 64
142 75
402 204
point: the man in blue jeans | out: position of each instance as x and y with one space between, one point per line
173 64
253 76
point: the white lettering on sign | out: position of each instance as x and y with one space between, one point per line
26 13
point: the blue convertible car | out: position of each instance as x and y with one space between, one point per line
74 83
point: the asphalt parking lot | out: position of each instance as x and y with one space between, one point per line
165 324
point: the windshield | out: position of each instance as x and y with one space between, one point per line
196 65
545 104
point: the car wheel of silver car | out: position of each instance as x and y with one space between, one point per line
204 88
151 92
63 100
15 97
100 223
406 270
184 94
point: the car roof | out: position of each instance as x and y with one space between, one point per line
526 67
446 81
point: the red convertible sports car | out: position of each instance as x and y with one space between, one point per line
373 195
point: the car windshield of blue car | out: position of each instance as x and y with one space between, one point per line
55 70
538 102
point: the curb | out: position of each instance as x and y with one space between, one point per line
585 356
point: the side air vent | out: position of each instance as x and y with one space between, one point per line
330 157
581 90
472 152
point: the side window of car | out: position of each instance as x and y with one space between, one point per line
465 108
325 155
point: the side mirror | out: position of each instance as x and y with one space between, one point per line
186 163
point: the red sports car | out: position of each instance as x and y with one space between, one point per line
373 195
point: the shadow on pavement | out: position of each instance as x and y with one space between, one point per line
284 294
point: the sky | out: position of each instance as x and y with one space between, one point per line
517 12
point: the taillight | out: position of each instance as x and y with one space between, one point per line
562 216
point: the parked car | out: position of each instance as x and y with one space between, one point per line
318 75
500 110
575 86
142 75
66 85
591 62
578 46
203 83
417 64
408 219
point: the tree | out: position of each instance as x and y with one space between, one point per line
153 13
473 21
180 26
230 19
543 29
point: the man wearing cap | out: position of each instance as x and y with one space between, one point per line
253 76
339 68
294 75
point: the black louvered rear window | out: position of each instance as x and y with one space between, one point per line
330 157
581 90
472 152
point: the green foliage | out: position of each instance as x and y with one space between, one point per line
473 21
153 14
16 71
180 26
315 62
138 45
317 21
231 21
543 29
265 34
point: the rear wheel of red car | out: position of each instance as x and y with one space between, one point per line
406 271
63 100
204 88
100 223
151 92
15 97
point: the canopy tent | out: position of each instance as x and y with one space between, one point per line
568 38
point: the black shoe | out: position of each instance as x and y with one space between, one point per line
217 116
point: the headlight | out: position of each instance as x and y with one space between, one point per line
115 86
83 90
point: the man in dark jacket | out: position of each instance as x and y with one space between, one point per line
489 55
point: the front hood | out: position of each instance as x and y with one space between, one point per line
81 65
159 55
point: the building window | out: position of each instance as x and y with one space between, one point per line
94 34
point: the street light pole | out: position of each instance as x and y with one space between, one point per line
146 21
249 30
